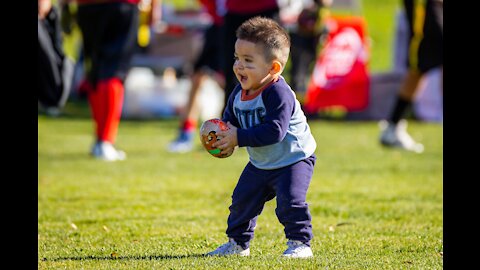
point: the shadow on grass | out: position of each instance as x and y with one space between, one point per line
132 155
123 258
67 157
80 109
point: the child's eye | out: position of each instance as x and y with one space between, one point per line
235 58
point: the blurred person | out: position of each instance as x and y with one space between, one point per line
109 33
425 22
238 11
208 64
264 116
55 70
307 40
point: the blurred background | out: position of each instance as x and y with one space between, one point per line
158 82
373 207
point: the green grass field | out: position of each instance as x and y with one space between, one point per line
372 208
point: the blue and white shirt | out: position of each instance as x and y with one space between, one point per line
271 124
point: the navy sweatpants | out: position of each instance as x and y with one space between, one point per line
255 187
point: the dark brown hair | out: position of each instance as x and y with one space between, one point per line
269 34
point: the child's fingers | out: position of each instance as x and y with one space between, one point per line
220 144
217 144
222 134
227 151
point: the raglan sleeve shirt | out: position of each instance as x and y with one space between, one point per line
279 109
272 126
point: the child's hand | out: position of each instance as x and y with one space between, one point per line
229 139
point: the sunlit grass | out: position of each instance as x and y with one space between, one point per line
372 208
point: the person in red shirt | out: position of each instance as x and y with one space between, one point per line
109 30
207 64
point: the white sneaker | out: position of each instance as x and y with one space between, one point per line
106 151
53 111
230 248
180 147
396 136
297 249
183 144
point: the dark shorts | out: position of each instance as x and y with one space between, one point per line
425 46
210 57
109 38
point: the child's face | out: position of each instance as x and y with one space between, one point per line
250 66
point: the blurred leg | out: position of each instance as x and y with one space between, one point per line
111 94
96 108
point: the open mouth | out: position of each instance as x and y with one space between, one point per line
242 79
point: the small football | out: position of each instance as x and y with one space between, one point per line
208 136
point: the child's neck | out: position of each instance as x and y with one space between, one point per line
251 94
269 82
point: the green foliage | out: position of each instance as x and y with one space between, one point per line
372 208
380 17
182 4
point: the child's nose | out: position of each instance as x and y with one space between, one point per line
238 64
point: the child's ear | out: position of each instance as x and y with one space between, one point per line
276 67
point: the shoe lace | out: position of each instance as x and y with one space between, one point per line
230 246
293 244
